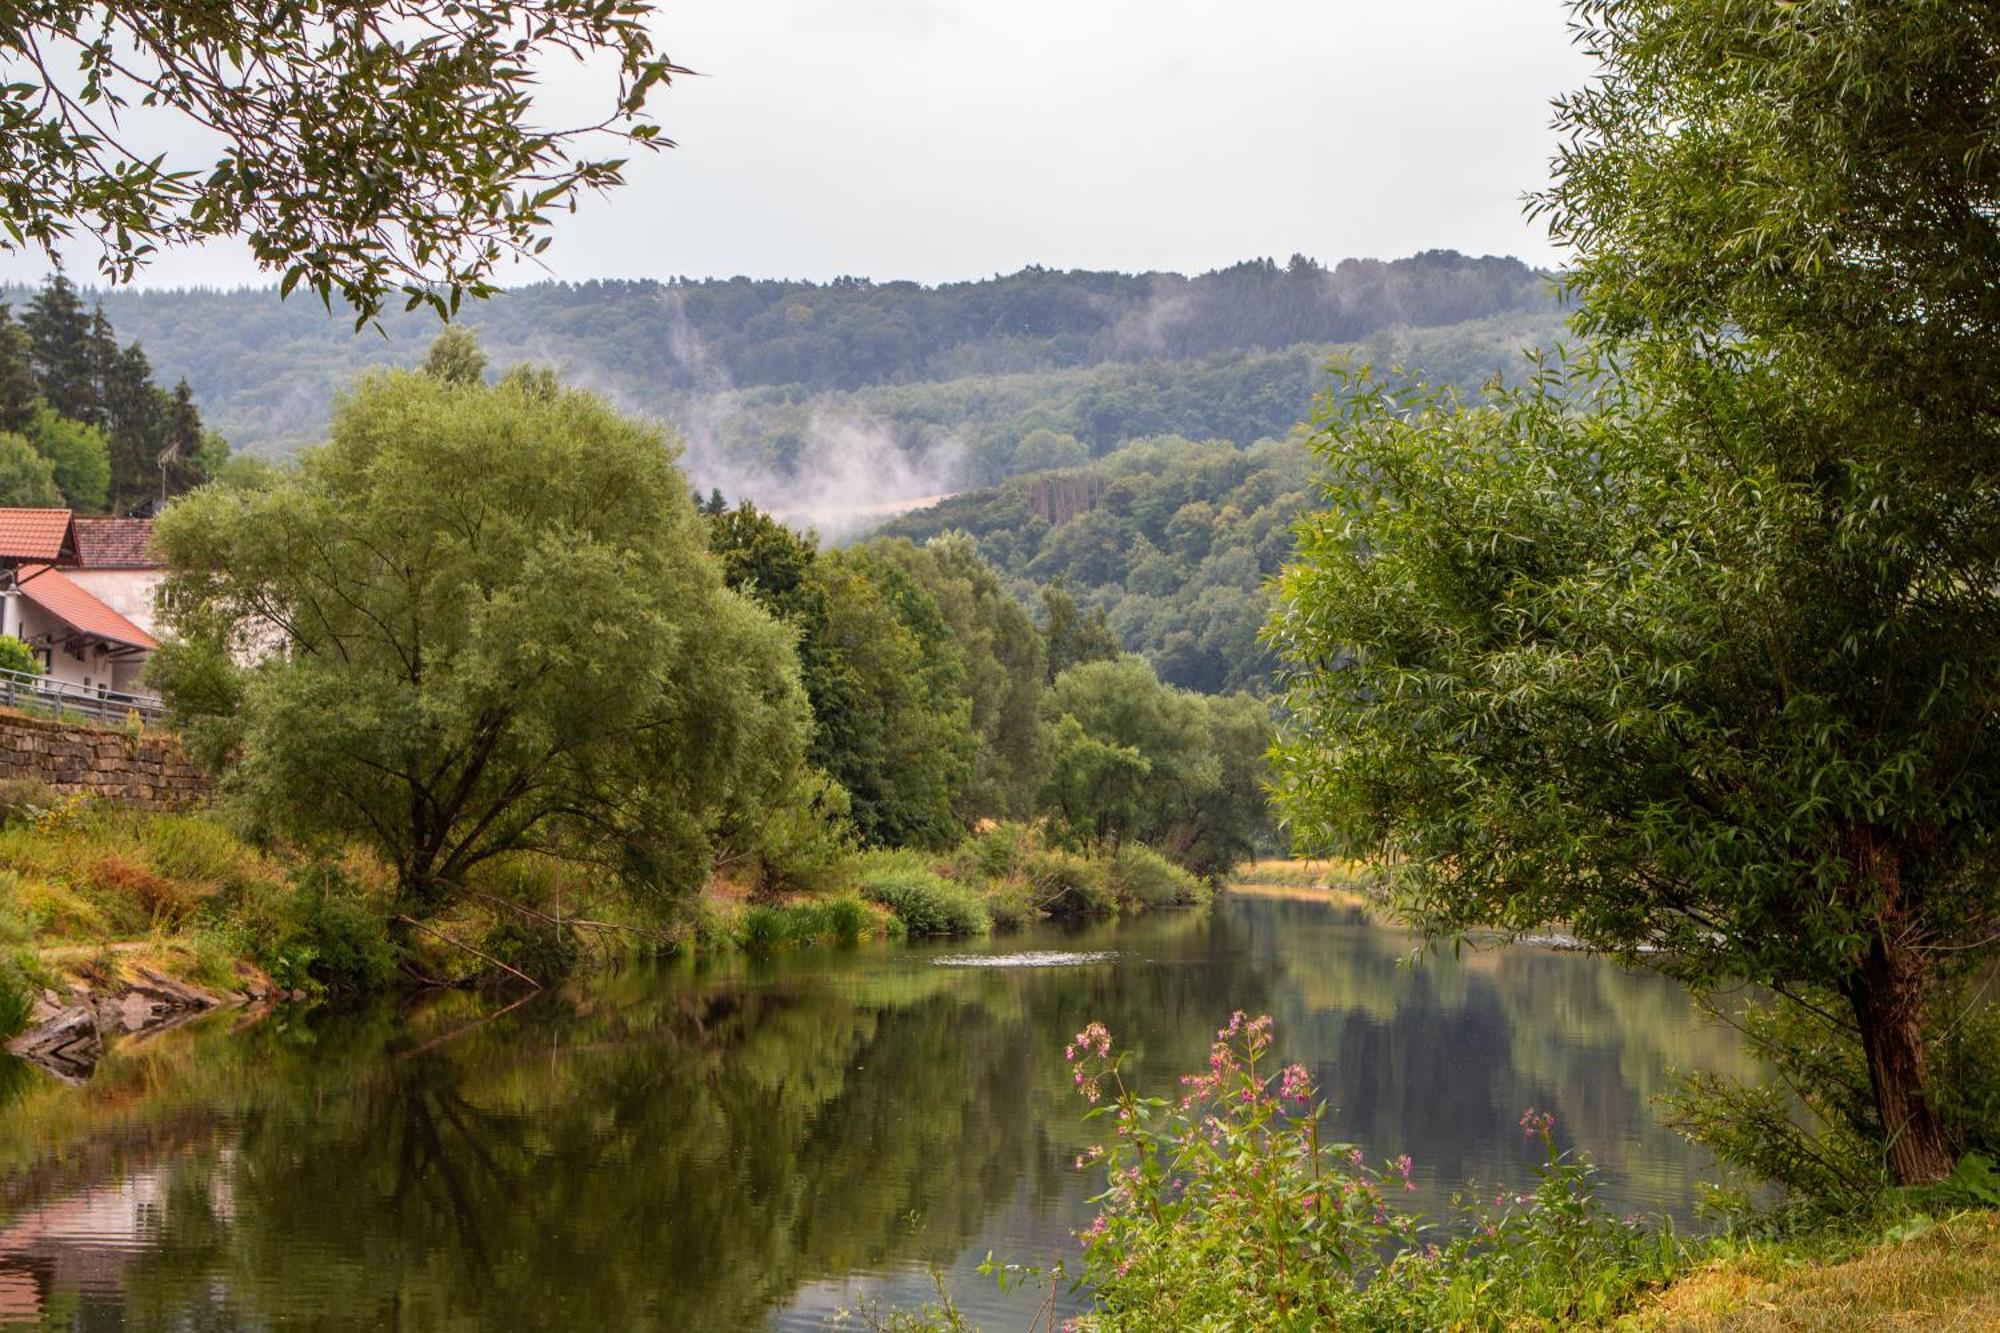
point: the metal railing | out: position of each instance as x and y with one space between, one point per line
44 694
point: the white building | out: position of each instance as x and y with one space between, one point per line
80 592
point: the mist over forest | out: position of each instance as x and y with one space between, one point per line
822 400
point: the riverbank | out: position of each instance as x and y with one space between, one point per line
115 921
1937 1275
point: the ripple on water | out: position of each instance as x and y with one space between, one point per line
1034 958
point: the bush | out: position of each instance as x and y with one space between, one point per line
1000 851
17 656
1227 1208
17 1001
199 850
1068 885
1011 904
1830 1161
544 950
316 933
764 929
1143 876
925 903
25 800
844 920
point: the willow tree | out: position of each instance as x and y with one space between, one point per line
480 621
356 148
1706 663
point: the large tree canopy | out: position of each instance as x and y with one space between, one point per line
1706 667
487 621
358 147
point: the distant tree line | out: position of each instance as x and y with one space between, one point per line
778 351
82 424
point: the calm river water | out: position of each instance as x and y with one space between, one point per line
759 1145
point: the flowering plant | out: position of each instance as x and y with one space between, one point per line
1227 1199
1226 1208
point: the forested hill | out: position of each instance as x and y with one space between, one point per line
265 371
1169 540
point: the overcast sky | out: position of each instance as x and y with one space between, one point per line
945 139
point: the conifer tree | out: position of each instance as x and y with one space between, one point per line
19 394
59 342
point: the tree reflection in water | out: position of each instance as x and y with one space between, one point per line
688 1149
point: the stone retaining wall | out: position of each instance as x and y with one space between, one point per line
148 770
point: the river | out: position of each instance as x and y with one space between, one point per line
764 1144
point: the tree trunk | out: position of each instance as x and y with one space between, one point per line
1887 995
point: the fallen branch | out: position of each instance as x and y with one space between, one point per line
460 944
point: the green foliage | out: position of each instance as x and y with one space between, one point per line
1133 759
292 103
79 456
765 929
1162 548
455 357
546 950
898 735
27 480
800 842
17 656
318 932
1067 885
923 901
1002 658
1813 1128
1703 673
984 364
501 630
884 672
1227 1208
96 393
1138 874
17 1001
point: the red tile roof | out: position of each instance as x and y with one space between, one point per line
63 599
115 543
33 534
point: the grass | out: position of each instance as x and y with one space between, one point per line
1342 883
1940 1278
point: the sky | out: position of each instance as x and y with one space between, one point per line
955 139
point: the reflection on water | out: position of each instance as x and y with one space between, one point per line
765 1144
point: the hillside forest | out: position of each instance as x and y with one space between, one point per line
83 426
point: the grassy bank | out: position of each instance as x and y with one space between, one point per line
91 893
1931 1274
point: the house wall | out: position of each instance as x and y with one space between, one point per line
93 669
129 592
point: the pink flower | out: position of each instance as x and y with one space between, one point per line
1296 1085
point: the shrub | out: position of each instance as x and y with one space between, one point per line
155 897
1068 885
25 800
1143 876
1000 851
1011 904
1228 1209
199 850
17 656
844 920
17 1001
763 929
544 950
925 903
317 932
